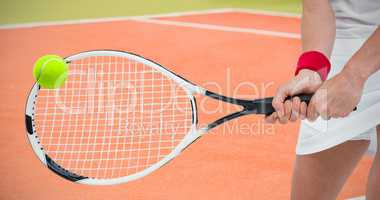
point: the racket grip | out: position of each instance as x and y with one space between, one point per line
267 108
265 105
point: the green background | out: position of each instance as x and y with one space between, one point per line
23 11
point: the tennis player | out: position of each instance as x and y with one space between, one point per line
340 63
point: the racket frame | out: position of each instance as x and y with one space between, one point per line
248 107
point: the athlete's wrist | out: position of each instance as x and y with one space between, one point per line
311 75
308 72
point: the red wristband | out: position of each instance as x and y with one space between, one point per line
315 61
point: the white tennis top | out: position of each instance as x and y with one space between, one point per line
356 18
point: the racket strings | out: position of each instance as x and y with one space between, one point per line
114 117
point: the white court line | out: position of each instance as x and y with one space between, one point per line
226 10
267 12
222 28
174 14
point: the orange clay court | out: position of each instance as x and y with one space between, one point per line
209 48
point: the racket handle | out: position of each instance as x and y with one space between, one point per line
265 105
267 109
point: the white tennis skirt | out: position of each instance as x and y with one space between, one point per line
359 125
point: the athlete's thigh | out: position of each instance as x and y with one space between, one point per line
322 175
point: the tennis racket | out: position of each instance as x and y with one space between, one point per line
119 117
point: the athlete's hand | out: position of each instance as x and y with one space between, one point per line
336 97
306 82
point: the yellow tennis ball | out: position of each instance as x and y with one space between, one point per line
50 71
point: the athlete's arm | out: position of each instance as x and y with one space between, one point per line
318 34
366 61
339 95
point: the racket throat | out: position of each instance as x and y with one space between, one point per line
228 118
